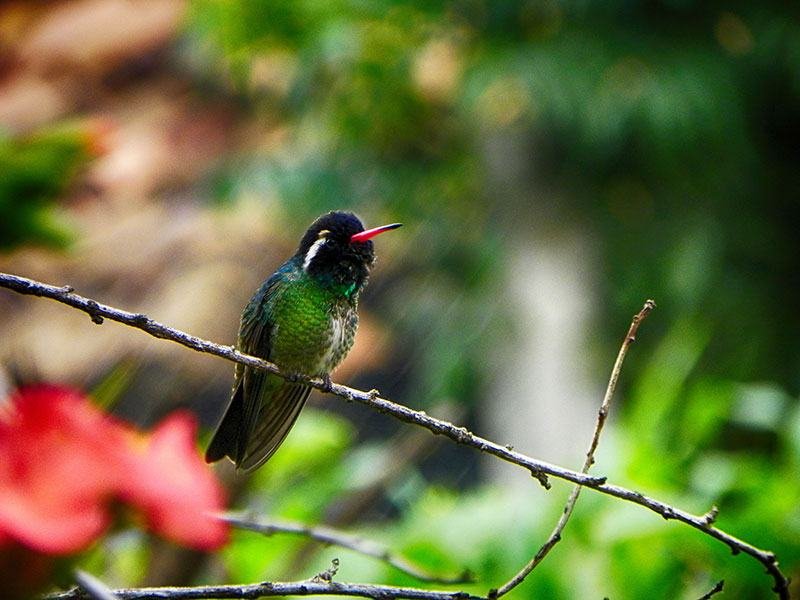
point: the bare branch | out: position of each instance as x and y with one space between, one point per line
539 469
711 516
602 415
333 537
272 589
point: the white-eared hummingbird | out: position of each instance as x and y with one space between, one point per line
303 319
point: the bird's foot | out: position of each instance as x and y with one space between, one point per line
294 377
327 384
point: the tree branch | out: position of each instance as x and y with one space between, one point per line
602 415
271 589
713 591
539 469
330 536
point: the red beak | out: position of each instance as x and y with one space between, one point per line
363 236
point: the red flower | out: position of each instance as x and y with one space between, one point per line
62 463
173 487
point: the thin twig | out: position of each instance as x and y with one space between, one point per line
328 574
713 591
92 586
333 537
602 415
271 589
372 399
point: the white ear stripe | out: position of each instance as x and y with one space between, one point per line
312 252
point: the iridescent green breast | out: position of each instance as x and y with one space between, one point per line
312 327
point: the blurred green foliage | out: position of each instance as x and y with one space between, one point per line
610 548
667 130
35 170
664 126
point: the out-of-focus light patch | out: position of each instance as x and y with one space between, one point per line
121 557
733 34
274 72
505 101
19 97
713 474
624 522
760 405
96 36
406 489
630 202
366 464
437 71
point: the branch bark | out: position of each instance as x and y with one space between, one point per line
272 589
539 469
333 537
602 416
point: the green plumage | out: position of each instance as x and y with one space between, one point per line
303 319
303 327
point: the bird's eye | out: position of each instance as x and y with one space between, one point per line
323 233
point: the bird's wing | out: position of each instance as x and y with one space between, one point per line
280 405
270 404
252 388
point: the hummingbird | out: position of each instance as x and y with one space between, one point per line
303 319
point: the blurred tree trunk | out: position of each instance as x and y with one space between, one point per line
543 398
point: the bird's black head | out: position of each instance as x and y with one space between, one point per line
337 251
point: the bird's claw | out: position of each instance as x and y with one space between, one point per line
327 384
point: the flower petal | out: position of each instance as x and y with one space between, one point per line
62 461
175 490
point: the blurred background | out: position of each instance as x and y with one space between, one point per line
554 164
